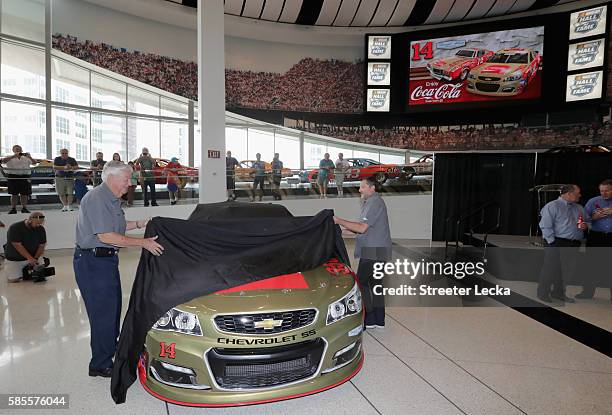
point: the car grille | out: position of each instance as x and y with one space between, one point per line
487 87
262 368
488 78
245 323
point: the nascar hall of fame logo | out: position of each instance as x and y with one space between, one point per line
378 99
379 45
379 72
584 84
586 52
588 20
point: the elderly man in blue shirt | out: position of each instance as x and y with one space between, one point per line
599 213
563 225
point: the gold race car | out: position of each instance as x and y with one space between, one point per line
459 66
506 73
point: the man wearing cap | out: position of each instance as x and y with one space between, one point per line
25 245
562 222
146 164
100 232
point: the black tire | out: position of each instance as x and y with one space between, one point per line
380 177
464 74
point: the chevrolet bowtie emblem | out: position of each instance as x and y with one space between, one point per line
268 324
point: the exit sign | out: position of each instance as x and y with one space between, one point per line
214 154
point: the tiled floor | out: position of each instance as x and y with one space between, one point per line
438 361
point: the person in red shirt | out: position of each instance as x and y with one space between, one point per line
173 180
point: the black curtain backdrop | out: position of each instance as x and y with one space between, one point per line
464 181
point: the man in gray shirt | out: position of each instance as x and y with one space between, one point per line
562 223
100 232
372 245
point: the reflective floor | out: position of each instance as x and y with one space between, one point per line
434 361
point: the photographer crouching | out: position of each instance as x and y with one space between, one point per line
24 250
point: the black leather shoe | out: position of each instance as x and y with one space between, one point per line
564 298
545 298
583 296
105 373
154 204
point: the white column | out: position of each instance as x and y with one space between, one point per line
211 98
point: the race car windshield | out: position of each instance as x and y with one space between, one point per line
466 53
507 58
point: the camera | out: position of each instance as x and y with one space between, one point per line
38 273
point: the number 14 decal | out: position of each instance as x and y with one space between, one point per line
426 51
167 351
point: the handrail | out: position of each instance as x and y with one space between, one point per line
460 219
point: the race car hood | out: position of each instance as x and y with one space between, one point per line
498 68
449 62
315 288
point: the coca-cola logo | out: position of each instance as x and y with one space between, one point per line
436 92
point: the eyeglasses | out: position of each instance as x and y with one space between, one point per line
41 217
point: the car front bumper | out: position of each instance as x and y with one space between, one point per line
228 372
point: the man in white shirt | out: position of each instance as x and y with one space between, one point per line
342 168
18 171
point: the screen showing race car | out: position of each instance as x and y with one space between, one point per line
503 65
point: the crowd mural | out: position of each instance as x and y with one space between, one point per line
310 85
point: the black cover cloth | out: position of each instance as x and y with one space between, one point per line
205 256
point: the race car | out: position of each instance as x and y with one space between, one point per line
186 174
279 338
362 168
459 66
246 172
423 166
506 73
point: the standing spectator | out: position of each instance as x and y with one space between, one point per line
599 211
64 167
133 183
372 245
18 172
342 168
25 245
277 175
81 179
146 163
562 224
100 232
96 167
117 157
173 181
325 168
259 171
230 171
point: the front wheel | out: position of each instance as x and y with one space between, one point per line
464 74
380 177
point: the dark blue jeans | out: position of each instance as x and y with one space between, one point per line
100 285
374 304
146 185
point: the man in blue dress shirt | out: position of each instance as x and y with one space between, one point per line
599 212
562 222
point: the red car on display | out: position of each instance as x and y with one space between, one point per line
362 168
186 174
459 66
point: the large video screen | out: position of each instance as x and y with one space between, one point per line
494 66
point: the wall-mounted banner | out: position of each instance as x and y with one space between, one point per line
589 22
379 73
378 100
586 54
584 86
379 47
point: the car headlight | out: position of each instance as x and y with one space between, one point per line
180 322
348 305
515 76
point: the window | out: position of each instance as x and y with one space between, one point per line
81 129
109 136
107 93
70 83
96 135
30 135
143 133
24 18
288 148
262 142
142 102
62 125
61 94
174 141
96 118
82 151
60 144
